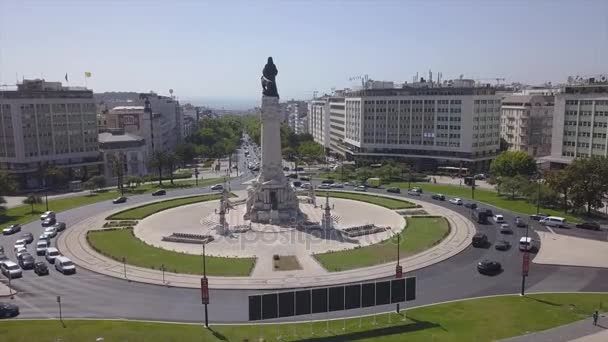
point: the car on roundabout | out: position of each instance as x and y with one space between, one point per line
361 188
47 215
41 246
505 229
159 192
121 199
480 240
26 261
8 310
489 267
51 254
589 225
337 186
27 237
306 186
502 245
60 226
438 197
519 223
539 216
51 232
414 192
64 265
456 201
12 229
498 218
394 190
470 205
217 187
49 222
10 269
40 268
324 186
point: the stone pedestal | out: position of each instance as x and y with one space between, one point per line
271 198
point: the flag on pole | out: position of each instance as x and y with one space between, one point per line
66 77
87 74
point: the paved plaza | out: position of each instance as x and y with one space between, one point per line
558 249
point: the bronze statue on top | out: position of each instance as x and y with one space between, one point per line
269 73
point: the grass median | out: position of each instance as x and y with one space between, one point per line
462 321
421 233
386 202
487 196
121 243
146 210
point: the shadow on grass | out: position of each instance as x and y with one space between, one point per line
218 335
544 301
8 218
380 332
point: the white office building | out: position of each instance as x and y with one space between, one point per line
318 120
428 126
580 124
45 123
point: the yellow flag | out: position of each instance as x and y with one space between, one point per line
87 74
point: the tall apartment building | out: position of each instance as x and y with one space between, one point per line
44 122
297 116
430 126
318 120
337 116
580 124
526 123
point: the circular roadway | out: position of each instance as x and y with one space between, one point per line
90 295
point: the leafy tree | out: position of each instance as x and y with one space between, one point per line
311 150
50 175
32 199
7 185
363 174
2 207
589 183
185 153
97 182
118 171
513 163
561 181
514 185
171 161
157 161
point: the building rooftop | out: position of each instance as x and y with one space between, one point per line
109 137
132 108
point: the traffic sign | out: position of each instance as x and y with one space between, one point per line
526 264
399 272
204 290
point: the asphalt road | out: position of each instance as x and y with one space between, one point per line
89 295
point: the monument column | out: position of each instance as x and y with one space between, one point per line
271 139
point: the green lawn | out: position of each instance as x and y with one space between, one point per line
146 210
487 196
120 243
23 214
420 234
386 202
477 320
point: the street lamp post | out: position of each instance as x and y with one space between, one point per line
46 198
473 190
204 288
538 196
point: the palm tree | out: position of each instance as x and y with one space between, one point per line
158 161
32 199
171 160
118 169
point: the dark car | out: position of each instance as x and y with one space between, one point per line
217 187
539 216
12 229
26 261
292 175
470 205
589 225
299 168
297 184
8 310
286 168
328 181
438 197
121 199
40 268
305 178
502 245
489 267
480 240
28 237
489 212
159 192
60 226
49 222
394 190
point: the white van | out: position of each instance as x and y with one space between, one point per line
51 253
554 221
528 244
64 265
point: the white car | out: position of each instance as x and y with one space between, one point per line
456 201
41 246
10 269
324 186
306 186
337 185
413 192
50 231
19 251
47 215
505 229
51 254
360 188
21 242
498 218
64 265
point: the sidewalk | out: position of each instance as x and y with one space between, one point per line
580 331
4 290
74 245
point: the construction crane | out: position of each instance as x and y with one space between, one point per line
497 79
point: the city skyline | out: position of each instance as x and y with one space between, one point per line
216 51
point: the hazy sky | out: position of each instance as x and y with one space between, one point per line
218 48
